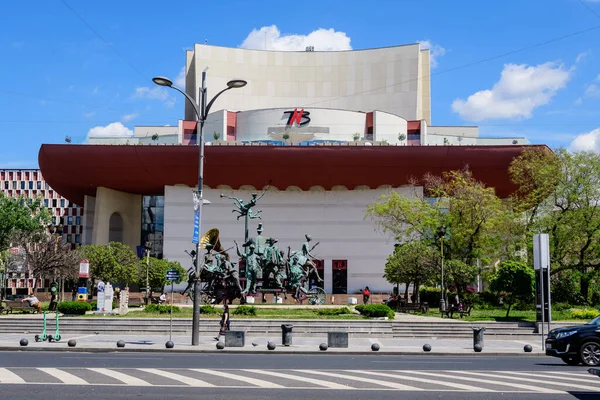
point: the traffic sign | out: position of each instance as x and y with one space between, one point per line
172 275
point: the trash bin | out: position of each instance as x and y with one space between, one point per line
286 334
478 335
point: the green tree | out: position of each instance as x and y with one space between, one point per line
459 274
21 214
157 272
412 262
516 279
113 262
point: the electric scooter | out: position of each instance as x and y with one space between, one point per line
43 336
56 336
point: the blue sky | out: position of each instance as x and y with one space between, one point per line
62 79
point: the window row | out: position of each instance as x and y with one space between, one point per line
21 175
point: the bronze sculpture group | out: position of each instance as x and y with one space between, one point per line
265 267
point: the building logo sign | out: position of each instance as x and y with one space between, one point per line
300 117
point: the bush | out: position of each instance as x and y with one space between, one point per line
245 310
487 298
208 310
73 307
334 311
375 310
161 309
561 306
430 295
565 289
584 313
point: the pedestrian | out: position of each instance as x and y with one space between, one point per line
366 295
163 298
225 322
74 293
33 302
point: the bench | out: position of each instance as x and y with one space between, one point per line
452 310
12 305
414 307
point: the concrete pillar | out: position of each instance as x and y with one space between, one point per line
328 276
128 206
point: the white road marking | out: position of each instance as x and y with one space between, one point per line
64 376
576 374
512 384
126 379
546 377
434 382
7 376
252 381
329 385
180 378
392 385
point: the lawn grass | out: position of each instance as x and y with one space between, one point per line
499 315
261 313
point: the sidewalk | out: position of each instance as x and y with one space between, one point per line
258 344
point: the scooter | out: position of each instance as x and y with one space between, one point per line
43 336
56 336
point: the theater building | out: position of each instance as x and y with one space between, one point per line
330 131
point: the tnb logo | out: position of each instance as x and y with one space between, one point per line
300 118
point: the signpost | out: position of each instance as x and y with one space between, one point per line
541 263
172 275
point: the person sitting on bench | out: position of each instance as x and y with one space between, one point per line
33 302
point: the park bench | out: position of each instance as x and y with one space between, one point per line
413 307
449 313
12 305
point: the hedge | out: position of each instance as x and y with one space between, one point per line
375 311
334 311
208 310
584 314
73 307
95 303
245 310
161 309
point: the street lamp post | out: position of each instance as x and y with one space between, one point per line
148 247
201 111
441 232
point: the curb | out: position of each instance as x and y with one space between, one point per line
261 352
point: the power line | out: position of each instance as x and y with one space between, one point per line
111 47
589 8
465 65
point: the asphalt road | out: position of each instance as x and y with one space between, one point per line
154 376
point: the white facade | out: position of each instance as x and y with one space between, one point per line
336 219
391 79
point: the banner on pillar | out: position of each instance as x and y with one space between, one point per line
195 237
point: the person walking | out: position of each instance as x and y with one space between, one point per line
225 322
366 295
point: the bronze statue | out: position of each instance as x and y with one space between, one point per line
252 266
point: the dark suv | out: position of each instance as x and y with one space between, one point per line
576 344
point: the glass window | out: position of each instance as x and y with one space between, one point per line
22 184
69 238
39 185
53 202
77 238
6 185
77 220
30 185
46 202
62 202
69 220
14 184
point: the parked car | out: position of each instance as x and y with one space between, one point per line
576 344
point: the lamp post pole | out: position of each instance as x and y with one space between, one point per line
201 111
442 233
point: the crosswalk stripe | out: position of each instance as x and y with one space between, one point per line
549 382
180 378
574 374
7 376
253 381
435 382
64 376
397 386
329 385
517 385
564 378
126 379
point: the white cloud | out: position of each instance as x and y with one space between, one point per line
129 117
180 78
115 129
587 141
581 56
520 90
155 93
89 114
270 38
435 51
592 90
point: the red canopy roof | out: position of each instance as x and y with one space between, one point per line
77 170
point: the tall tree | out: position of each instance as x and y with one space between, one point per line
21 214
157 273
113 262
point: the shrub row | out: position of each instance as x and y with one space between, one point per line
587 313
375 310
161 309
245 310
73 307
334 311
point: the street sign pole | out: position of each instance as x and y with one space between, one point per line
172 275
171 319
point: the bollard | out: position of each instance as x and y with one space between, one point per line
72 343
323 346
527 348
271 346
169 344
426 347
120 343
24 342
375 347
286 334
220 345
478 335
477 348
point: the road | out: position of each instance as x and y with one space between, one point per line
157 376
